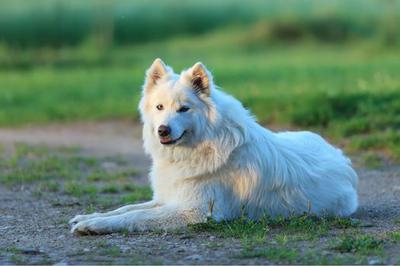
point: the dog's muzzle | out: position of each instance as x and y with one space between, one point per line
166 140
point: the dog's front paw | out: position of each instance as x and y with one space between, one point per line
80 218
95 226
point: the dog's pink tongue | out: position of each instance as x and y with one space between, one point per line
165 139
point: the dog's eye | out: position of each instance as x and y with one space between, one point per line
160 107
183 109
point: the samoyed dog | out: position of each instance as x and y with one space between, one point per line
211 159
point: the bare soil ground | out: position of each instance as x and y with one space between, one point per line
34 229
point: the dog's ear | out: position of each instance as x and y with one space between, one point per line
156 71
200 79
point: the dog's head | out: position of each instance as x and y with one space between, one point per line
177 108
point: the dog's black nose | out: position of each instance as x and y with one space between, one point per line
164 131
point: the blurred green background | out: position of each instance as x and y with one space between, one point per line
326 65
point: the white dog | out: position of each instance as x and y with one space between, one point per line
211 158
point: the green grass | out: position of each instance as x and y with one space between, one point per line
372 160
137 193
70 22
39 163
304 239
347 91
66 171
307 226
395 236
364 244
280 255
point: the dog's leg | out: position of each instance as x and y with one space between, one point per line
124 209
163 217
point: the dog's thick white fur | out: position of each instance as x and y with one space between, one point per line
215 160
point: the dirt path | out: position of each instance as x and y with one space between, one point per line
106 138
34 230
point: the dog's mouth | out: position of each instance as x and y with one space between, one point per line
169 141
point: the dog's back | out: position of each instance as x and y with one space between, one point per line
313 147
298 172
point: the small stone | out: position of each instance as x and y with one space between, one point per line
61 263
180 250
194 257
7 217
86 250
326 253
367 224
375 261
124 249
185 237
31 251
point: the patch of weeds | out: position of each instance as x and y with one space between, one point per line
104 201
44 261
110 189
37 194
38 163
305 226
281 255
24 256
125 232
127 173
395 236
250 233
388 140
17 259
97 176
282 239
214 245
50 186
316 257
90 208
109 250
13 250
302 227
138 259
372 160
101 244
23 149
365 244
63 221
21 171
308 226
354 126
78 189
239 228
137 193
106 175
249 242
342 222
86 162
128 187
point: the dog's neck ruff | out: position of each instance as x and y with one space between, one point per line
207 156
